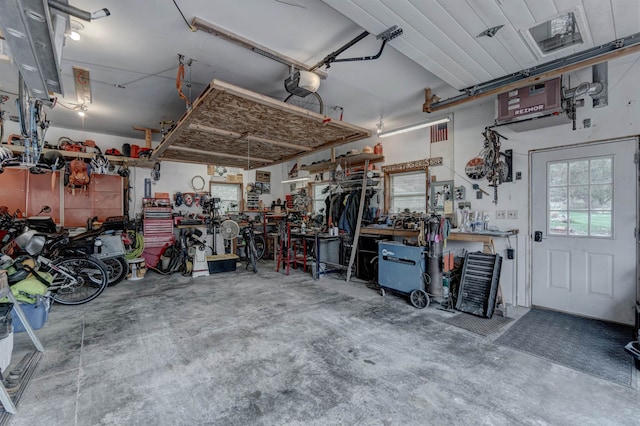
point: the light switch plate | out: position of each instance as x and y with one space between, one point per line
512 214
501 214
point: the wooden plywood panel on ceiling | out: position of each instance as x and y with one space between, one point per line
225 117
212 146
210 158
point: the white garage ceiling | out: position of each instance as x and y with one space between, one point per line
442 35
132 55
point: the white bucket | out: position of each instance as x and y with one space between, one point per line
137 269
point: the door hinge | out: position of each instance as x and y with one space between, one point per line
635 158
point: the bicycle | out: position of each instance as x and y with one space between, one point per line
33 126
76 277
254 246
76 280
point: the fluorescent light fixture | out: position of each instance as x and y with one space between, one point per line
300 179
413 127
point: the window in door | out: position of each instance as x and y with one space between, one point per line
407 191
579 197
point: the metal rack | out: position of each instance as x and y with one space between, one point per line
5 291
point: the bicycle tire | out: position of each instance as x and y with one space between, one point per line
260 246
118 269
91 275
312 102
252 256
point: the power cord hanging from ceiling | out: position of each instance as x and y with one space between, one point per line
291 4
191 27
180 79
248 155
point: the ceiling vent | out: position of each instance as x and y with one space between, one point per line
558 34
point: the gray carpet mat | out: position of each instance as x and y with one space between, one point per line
588 345
479 325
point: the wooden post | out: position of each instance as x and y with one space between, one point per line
356 237
429 98
147 134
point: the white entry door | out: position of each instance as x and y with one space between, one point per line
583 216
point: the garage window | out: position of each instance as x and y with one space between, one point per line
407 191
318 196
229 194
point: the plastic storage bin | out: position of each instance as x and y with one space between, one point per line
222 263
36 313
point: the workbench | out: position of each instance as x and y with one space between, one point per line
327 250
486 238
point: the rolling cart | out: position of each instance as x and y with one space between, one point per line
401 269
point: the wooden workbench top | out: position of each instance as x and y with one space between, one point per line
453 236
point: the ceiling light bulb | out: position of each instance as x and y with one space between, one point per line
81 113
74 30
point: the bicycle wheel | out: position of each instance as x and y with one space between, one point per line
117 268
260 246
252 256
312 102
89 278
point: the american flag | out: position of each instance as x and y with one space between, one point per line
439 132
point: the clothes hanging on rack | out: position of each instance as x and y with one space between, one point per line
334 206
349 217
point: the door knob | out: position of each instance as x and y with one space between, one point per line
537 236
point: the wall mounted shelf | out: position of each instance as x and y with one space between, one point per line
114 159
350 160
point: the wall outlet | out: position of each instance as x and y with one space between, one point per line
501 214
512 214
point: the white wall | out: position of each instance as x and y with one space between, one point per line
620 118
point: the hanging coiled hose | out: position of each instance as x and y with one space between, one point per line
136 245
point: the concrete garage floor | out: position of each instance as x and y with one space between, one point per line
269 349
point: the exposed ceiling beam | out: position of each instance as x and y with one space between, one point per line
225 34
219 154
246 136
587 58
